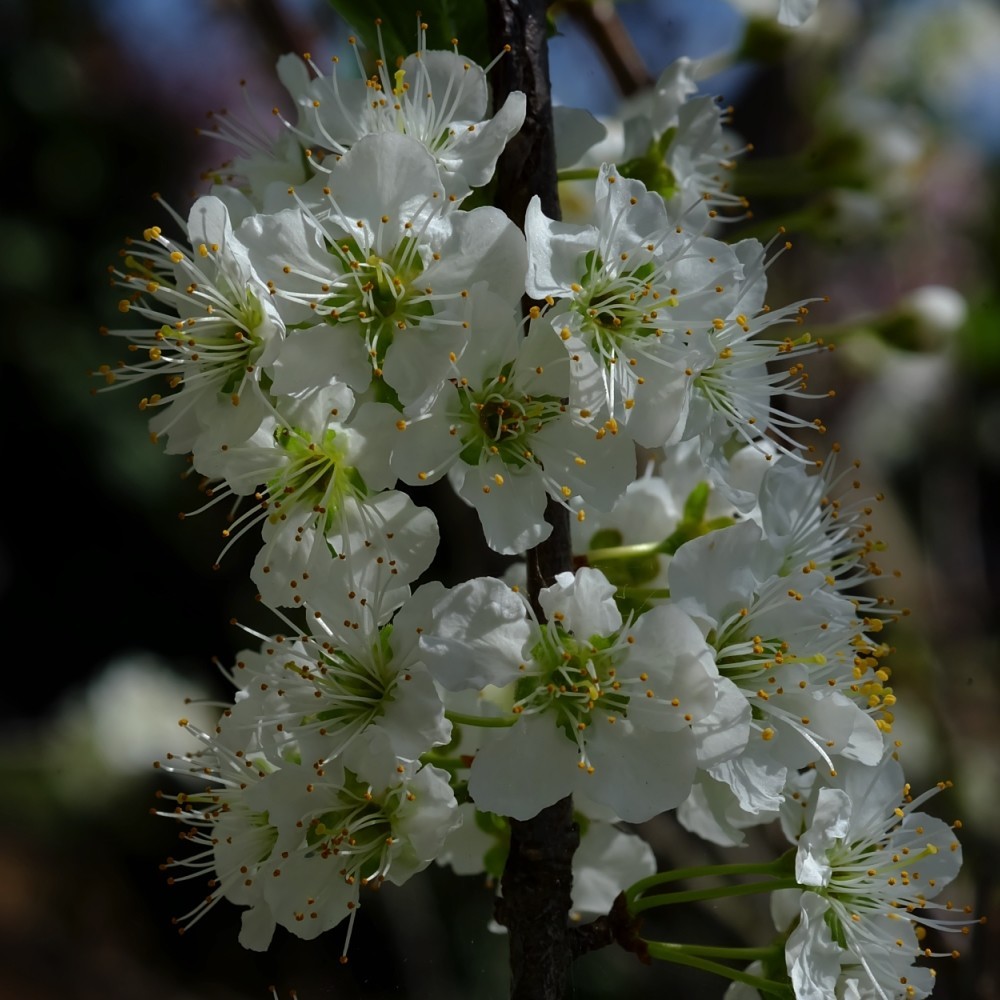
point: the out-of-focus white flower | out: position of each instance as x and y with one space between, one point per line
939 311
112 731
791 13
942 56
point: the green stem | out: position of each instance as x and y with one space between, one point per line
450 764
778 868
736 954
797 176
668 952
484 722
700 895
622 552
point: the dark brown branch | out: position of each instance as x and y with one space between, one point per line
537 882
538 876
617 927
528 164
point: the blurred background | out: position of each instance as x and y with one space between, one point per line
876 143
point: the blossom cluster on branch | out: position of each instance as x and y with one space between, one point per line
338 323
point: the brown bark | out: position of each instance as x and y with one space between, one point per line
538 875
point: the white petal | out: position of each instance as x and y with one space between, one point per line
637 772
477 636
607 862
830 823
257 927
812 956
576 130
527 768
587 601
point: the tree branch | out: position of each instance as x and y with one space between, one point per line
538 876
601 22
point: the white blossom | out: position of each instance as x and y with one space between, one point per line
378 270
607 704
297 843
797 654
661 324
211 327
870 865
503 433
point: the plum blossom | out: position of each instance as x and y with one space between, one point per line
352 671
503 433
317 488
870 866
798 655
661 324
437 97
607 704
297 843
377 273
210 328
676 143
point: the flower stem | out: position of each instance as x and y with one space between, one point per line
778 868
484 722
716 892
623 551
779 872
579 174
640 594
736 954
681 954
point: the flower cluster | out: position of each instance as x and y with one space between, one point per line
335 322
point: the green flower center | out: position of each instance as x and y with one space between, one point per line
315 477
354 692
358 830
617 305
498 421
379 292
574 678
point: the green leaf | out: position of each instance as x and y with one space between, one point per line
445 20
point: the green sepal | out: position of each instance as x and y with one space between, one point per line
697 503
693 524
651 168
836 928
606 538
